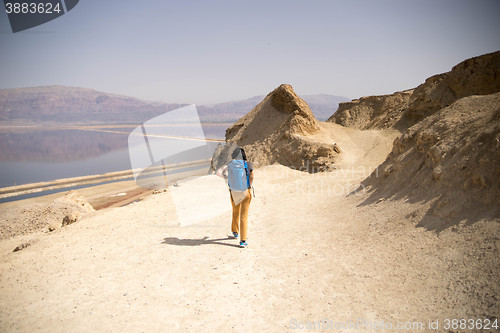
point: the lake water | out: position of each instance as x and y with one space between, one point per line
17 173
45 155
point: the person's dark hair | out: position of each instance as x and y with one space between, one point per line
236 153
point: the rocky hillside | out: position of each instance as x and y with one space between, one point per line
452 156
449 155
373 112
475 76
278 130
33 217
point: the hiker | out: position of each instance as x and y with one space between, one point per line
239 174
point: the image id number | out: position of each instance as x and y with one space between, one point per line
32 8
472 324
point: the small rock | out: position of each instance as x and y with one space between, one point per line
70 218
437 172
23 246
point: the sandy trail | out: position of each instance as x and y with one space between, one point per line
314 253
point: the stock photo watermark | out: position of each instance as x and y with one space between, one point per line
469 324
171 149
25 15
171 152
322 184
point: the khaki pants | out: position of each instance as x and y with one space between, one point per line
240 216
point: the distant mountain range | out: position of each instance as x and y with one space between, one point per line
322 105
69 105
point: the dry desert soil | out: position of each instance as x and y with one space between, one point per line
317 251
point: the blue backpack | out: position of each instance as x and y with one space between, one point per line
238 177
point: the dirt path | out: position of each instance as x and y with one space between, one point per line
314 254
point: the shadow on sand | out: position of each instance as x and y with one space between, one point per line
198 242
446 210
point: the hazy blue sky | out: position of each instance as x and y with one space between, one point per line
215 51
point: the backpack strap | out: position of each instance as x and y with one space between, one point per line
248 174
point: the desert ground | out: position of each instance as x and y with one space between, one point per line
318 254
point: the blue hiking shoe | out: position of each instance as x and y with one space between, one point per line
235 235
243 244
